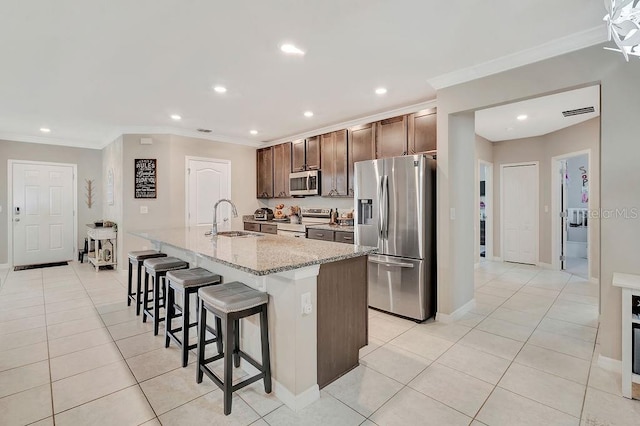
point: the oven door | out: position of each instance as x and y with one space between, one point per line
293 234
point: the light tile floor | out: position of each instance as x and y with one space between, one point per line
73 353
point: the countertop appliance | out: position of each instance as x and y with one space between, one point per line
304 183
395 211
309 216
263 213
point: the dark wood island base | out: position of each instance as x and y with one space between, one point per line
342 317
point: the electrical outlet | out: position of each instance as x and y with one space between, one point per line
144 209
306 306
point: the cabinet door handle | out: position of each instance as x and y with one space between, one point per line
320 235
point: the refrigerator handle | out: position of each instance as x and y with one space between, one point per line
385 202
380 208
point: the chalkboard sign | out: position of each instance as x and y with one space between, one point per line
145 178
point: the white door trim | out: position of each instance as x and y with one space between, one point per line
187 159
488 195
537 206
74 187
556 236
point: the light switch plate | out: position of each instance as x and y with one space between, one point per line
144 209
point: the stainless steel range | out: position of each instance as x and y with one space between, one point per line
310 216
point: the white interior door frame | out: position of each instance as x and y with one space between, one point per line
556 205
536 203
488 196
187 160
10 164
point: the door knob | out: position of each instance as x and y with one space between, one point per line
17 219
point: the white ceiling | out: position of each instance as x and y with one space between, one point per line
544 115
93 70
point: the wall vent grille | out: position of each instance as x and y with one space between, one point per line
578 111
204 130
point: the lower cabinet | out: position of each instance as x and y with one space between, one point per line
267 228
329 235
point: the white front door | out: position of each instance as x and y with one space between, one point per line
43 213
520 215
208 181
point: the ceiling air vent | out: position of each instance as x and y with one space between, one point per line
204 130
578 111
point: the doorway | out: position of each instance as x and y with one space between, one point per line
519 212
485 185
570 206
42 226
208 180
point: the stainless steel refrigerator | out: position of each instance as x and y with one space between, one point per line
395 211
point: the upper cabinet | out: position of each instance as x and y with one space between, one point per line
306 154
298 155
265 172
281 169
391 137
333 154
422 131
361 146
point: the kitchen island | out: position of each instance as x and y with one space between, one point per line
317 300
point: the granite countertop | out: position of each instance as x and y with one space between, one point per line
257 254
327 227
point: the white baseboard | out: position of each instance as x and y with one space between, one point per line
610 364
545 265
457 314
296 402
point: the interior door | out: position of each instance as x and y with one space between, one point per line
43 213
207 182
519 208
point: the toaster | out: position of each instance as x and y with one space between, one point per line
263 214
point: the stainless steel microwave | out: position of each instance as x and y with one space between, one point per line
304 183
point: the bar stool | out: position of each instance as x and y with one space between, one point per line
157 268
135 259
231 302
187 282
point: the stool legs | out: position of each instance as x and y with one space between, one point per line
145 299
202 329
185 329
236 344
229 337
169 314
129 285
266 359
157 282
139 288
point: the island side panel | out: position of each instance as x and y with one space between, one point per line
342 317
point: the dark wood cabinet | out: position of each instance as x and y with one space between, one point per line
313 153
267 228
306 154
391 137
329 235
343 237
422 131
281 169
333 149
265 172
298 155
250 226
361 146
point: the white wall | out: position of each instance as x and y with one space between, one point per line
620 235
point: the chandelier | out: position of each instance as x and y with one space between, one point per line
623 26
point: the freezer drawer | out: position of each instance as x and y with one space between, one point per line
398 285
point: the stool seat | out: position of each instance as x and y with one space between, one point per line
145 254
232 297
135 260
195 277
159 264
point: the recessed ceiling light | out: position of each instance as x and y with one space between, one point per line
522 117
308 114
381 91
290 49
45 129
253 132
220 89
176 117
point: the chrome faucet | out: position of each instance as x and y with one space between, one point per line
214 225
